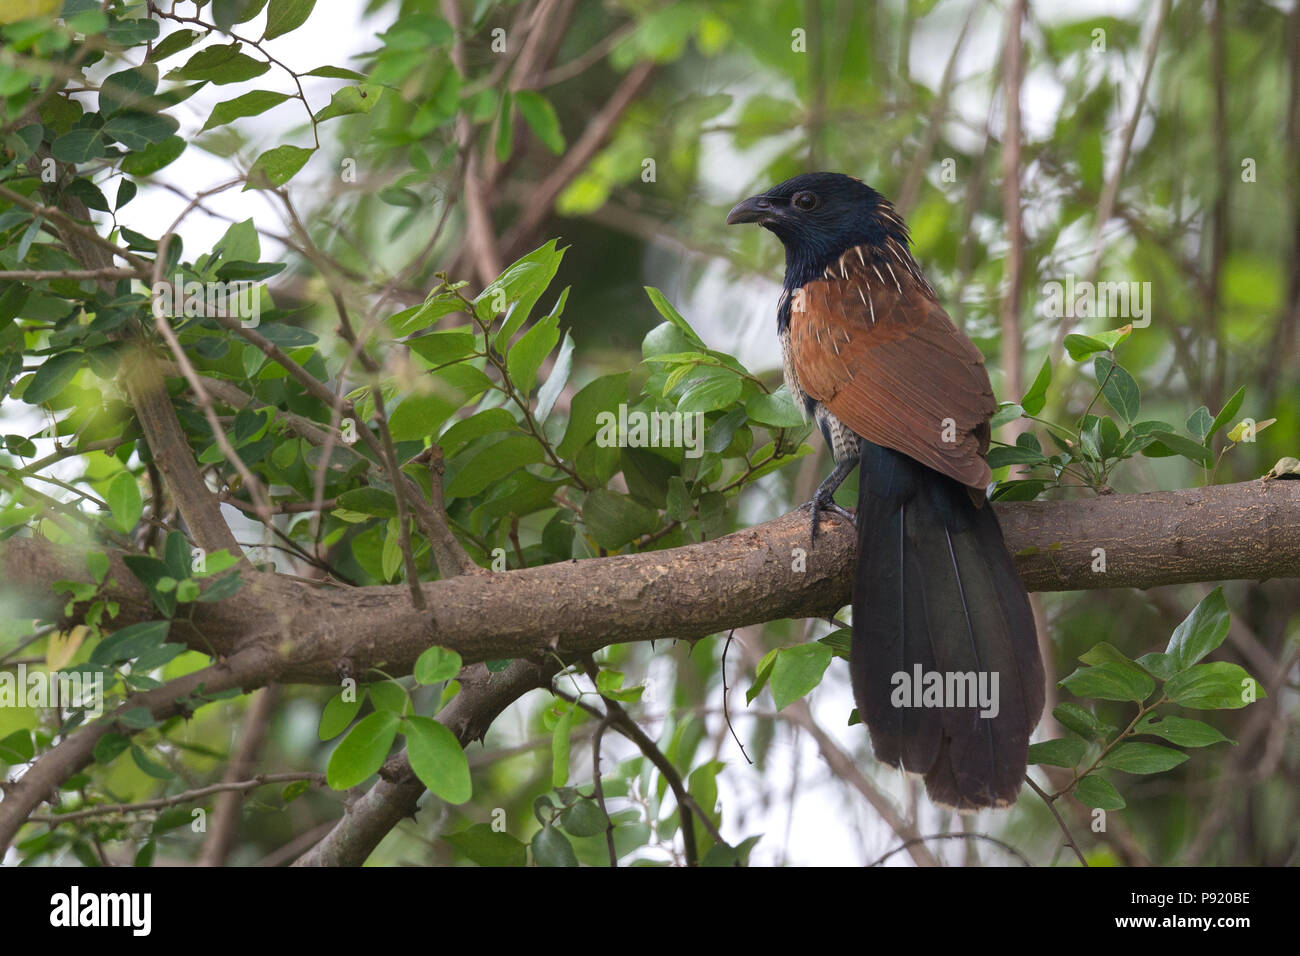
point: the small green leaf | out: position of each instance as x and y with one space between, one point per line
540 116
1229 409
277 166
125 501
1216 686
282 16
53 375
1201 631
1143 758
150 766
613 520
362 752
1036 398
1181 731
337 714
1098 792
666 309
438 759
552 848
1064 752
1178 445
437 664
1110 681
798 670
488 847
1081 720
1119 387
250 104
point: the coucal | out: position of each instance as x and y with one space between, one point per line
870 355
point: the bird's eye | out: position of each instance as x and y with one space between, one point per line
804 201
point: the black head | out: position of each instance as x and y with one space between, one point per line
820 216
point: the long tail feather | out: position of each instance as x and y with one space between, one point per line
939 616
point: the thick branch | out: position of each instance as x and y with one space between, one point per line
1249 530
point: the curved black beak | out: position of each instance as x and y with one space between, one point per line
754 209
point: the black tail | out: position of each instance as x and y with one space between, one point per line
937 592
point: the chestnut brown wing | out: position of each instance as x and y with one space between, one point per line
889 363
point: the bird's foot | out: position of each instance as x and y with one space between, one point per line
822 503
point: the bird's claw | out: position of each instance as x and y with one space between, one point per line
819 505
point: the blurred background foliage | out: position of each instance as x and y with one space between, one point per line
1153 143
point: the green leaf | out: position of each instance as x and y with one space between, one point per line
282 16
1064 752
476 426
125 501
53 376
337 714
521 285
493 462
505 129
250 104
1081 346
362 752
437 664
1178 445
439 347
1159 665
1098 792
552 848
584 819
666 309
776 410
1036 398
369 501
1228 410
1081 720
389 695
603 394
1143 758
18 747
526 356
1001 455
130 641
437 758
1181 731
351 100
555 382
1216 686
709 390
1110 681
613 519
1119 387
1201 631
111 746
139 130
78 146
277 166
540 116
172 44
147 161
797 670
488 847
1198 424
221 64
149 766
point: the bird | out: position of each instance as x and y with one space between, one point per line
897 390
